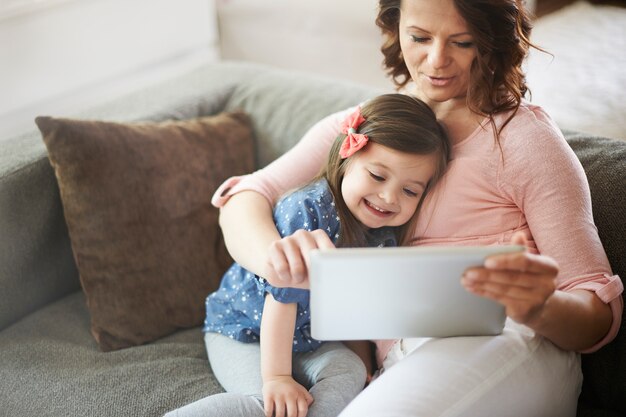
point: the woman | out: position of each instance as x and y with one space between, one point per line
512 178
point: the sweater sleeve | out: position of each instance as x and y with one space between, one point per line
296 167
543 176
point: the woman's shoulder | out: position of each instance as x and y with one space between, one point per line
532 140
534 119
531 127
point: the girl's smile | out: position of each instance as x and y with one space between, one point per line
382 187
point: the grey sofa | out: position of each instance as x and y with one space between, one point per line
49 363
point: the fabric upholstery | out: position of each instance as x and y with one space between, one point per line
136 199
51 366
604 161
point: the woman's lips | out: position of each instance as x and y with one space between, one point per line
439 81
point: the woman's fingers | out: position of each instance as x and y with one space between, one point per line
522 282
522 262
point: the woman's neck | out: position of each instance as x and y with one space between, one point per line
458 119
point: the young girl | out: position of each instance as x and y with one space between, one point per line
387 157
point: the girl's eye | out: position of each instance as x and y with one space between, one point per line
410 193
376 177
418 39
464 45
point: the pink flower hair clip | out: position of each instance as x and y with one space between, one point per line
353 141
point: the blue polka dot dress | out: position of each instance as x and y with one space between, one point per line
236 308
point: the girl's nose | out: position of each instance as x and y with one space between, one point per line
388 196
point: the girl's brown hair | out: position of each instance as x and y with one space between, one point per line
399 122
501 31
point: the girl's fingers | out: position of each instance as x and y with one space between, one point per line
291 407
303 407
297 268
308 397
322 240
279 409
289 256
278 261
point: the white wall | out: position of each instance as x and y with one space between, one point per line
58 55
338 38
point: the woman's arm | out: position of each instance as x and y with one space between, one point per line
281 393
567 294
525 284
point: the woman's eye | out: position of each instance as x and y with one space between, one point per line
418 39
410 193
376 177
464 45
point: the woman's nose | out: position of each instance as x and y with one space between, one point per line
437 55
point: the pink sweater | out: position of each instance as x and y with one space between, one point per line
535 184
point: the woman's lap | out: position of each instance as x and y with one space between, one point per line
515 374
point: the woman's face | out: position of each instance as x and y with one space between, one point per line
382 187
437 48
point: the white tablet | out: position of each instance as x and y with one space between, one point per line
391 293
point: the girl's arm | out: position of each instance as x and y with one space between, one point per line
246 203
249 230
281 393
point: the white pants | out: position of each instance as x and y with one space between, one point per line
516 374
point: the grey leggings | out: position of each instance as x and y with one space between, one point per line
333 374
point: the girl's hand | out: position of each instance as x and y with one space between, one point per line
522 282
284 397
288 257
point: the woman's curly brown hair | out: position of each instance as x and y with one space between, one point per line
501 31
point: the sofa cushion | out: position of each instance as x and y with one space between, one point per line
604 161
136 199
51 366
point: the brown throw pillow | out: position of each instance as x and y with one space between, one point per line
145 236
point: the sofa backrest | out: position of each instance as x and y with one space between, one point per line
283 105
604 161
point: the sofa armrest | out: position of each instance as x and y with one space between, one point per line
36 263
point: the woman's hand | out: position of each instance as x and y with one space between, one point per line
284 397
288 257
523 282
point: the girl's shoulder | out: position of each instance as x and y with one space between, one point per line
317 191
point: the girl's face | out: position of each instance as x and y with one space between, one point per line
382 186
437 48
